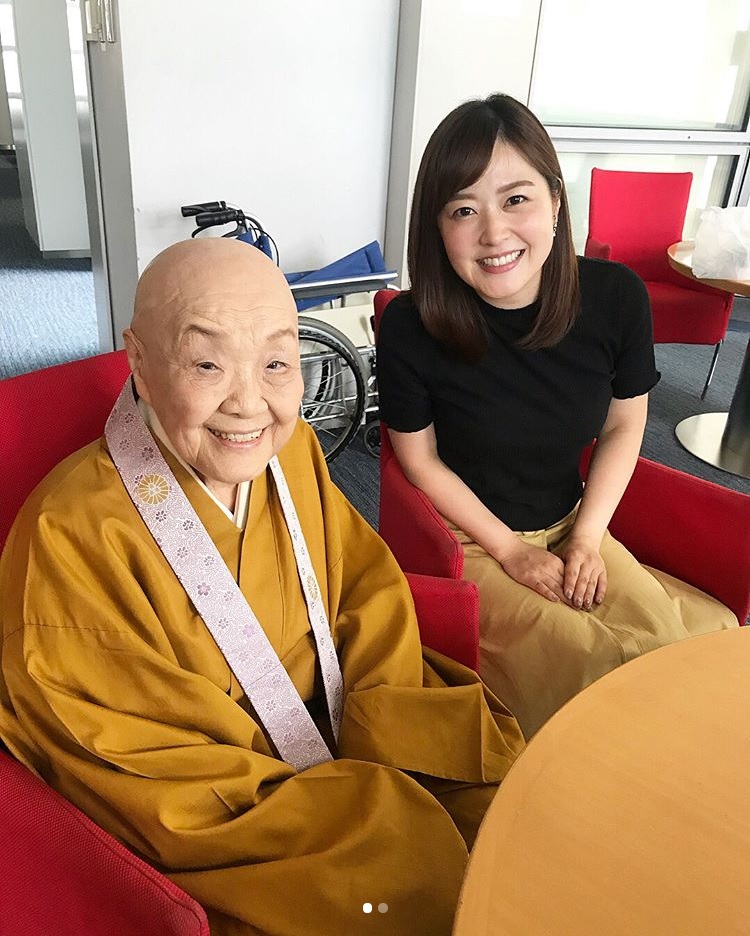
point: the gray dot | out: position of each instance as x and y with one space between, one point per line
383 908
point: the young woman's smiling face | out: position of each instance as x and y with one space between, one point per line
498 232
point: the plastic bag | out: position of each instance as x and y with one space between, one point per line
722 244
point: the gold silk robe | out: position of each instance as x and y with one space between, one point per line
113 690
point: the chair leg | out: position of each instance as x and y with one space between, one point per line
712 368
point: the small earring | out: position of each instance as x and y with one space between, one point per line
554 227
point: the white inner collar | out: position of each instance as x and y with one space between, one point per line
239 515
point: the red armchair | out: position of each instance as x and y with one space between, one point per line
59 872
633 218
687 527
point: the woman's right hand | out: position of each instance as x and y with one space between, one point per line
536 568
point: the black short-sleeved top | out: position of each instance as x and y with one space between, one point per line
512 425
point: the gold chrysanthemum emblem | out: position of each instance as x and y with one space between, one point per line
153 489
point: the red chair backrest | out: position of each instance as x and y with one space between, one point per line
48 414
380 300
639 214
61 873
415 532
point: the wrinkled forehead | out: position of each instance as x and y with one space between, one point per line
228 319
256 308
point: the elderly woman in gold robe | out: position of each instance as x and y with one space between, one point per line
113 688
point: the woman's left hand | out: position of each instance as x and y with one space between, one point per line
612 463
585 577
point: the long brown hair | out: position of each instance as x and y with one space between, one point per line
457 154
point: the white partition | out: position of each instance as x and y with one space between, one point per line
6 130
45 126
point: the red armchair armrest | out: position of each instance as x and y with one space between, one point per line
414 530
448 615
596 249
690 528
61 873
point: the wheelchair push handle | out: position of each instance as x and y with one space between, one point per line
221 216
189 211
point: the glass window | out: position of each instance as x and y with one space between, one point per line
643 64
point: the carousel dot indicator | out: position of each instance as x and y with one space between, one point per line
383 908
367 908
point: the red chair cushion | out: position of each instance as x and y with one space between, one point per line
689 316
380 301
448 614
639 214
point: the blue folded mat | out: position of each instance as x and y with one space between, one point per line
363 262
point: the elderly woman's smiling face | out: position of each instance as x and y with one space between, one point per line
214 352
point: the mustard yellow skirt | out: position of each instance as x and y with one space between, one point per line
536 654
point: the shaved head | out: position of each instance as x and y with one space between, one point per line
215 271
214 352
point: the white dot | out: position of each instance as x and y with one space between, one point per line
383 908
367 907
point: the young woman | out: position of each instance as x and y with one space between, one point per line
506 357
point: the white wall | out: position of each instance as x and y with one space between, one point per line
450 52
283 108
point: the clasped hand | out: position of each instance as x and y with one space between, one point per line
575 574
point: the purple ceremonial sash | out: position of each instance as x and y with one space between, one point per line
204 575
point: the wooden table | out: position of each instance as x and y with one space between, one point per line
721 439
628 814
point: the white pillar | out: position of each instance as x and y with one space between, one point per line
39 79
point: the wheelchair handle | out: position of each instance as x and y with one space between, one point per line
224 216
188 211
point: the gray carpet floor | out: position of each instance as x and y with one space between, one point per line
47 309
48 316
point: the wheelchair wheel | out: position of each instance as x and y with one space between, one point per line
335 392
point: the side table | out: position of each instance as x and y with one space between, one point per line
721 439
